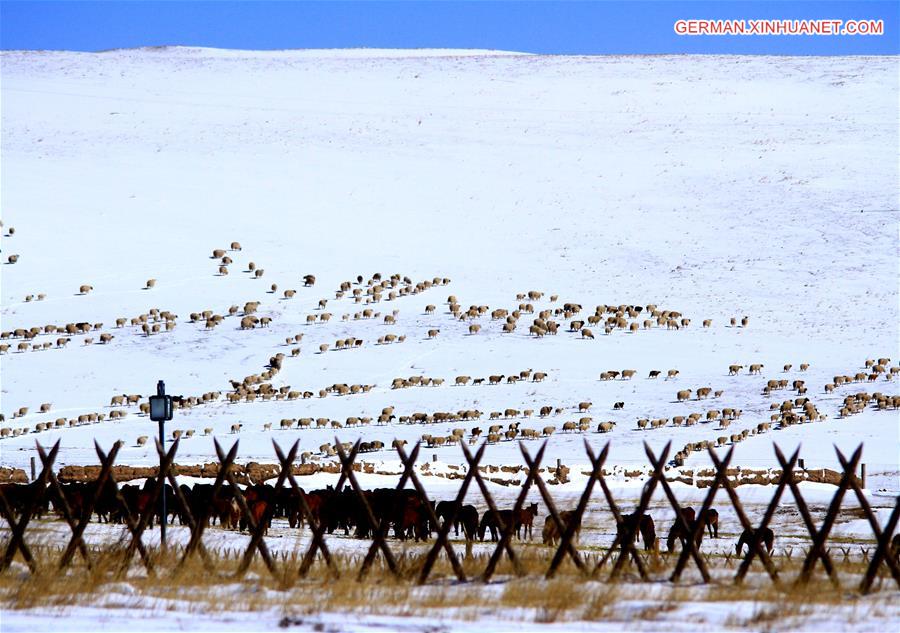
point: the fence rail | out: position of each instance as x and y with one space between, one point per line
257 515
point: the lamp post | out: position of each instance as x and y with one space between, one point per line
160 411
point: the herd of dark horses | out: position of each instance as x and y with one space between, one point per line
405 512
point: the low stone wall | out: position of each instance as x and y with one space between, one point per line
254 472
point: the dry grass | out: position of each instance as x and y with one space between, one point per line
570 596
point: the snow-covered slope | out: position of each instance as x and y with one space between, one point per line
715 186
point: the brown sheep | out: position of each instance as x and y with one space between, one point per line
474 328
84 289
218 253
151 283
672 373
684 394
586 333
235 246
628 374
584 406
756 368
12 259
223 270
433 333
106 338
734 370
707 322
289 294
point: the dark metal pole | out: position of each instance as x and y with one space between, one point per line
161 391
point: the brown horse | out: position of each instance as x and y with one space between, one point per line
711 520
765 535
552 533
631 524
676 532
525 521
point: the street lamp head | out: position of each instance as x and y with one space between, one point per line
160 404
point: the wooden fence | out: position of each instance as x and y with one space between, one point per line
622 551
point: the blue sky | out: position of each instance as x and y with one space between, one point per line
612 27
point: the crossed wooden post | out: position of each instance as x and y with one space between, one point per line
77 540
318 528
818 551
17 542
136 528
256 529
202 521
567 531
444 529
883 549
378 535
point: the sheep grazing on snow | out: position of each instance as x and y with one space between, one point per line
84 289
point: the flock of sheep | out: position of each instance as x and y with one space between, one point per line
376 289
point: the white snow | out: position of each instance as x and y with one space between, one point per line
718 186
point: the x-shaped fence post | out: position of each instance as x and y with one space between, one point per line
53 483
17 541
492 507
78 530
755 547
137 529
696 531
565 545
256 541
380 531
255 529
626 535
883 538
202 523
185 511
317 527
567 531
506 530
690 546
818 550
444 529
883 552
378 538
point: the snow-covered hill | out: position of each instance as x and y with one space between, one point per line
718 187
